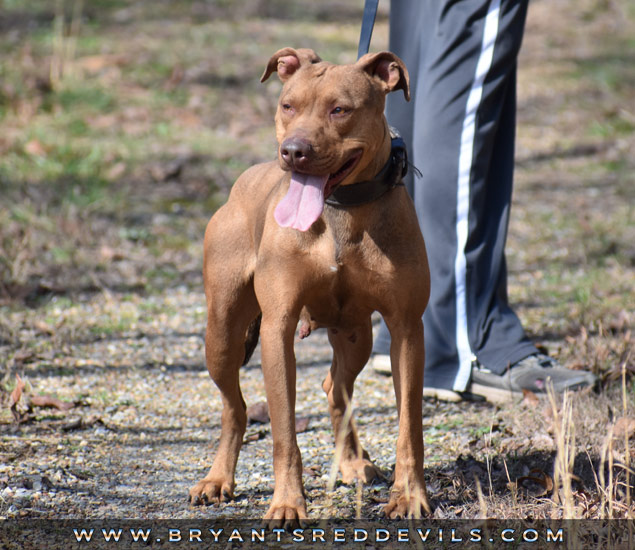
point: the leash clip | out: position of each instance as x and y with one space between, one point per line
399 151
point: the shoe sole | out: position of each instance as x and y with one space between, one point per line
476 391
496 395
384 371
442 395
382 366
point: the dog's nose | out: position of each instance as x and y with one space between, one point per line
296 152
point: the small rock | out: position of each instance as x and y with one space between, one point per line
258 412
23 493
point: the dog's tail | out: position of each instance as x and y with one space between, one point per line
253 332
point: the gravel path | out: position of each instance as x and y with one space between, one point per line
148 417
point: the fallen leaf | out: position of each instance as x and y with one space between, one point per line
35 148
23 355
624 427
176 77
548 413
43 327
108 253
541 478
313 471
530 398
301 424
185 117
377 499
51 402
19 406
166 171
258 412
96 63
101 122
83 423
16 394
116 171
254 436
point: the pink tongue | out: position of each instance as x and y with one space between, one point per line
303 203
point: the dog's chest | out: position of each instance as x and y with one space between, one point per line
352 280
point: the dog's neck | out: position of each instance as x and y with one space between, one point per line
390 175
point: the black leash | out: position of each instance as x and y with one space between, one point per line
368 22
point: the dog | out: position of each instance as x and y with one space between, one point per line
327 234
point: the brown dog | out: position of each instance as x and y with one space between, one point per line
277 250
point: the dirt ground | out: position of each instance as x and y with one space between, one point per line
124 126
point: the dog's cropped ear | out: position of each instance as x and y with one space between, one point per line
287 61
388 68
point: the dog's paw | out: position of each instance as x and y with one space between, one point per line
412 506
211 491
359 468
286 514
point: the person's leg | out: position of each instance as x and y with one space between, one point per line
464 144
464 65
495 333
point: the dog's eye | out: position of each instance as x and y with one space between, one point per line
339 111
286 107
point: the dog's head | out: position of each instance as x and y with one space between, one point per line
330 124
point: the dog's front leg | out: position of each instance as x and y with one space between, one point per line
408 497
278 366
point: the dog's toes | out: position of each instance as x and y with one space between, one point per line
290 514
196 500
401 507
359 468
396 510
209 492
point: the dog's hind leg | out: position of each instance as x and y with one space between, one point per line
351 350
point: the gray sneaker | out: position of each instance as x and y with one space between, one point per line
531 373
380 363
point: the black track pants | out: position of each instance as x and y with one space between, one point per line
460 127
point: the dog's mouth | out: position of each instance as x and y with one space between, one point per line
304 202
338 177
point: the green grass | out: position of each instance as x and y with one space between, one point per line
80 96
